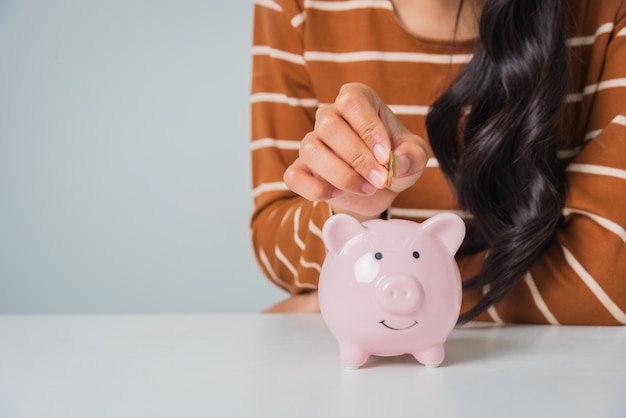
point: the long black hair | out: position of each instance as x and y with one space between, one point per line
495 133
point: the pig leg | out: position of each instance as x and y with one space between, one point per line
352 357
430 357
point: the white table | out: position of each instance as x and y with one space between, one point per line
288 366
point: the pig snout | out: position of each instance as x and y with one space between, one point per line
399 295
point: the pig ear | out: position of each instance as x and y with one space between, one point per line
448 228
338 230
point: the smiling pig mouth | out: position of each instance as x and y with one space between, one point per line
397 329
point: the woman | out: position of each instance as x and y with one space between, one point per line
511 113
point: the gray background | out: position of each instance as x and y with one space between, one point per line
124 158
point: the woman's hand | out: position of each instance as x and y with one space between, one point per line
302 303
344 159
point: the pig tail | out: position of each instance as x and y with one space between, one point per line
499 152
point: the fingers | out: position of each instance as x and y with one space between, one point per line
347 153
340 136
320 174
411 158
362 109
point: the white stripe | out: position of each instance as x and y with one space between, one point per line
278 186
538 299
619 119
314 229
595 288
300 243
603 85
329 213
283 259
404 109
286 216
588 40
432 163
335 6
603 222
622 32
494 314
574 98
591 134
594 88
386 56
310 265
422 213
278 54
606 84
296 227
284 144
270 4
298 19
492 309
409 110
281 98
266 263
568 153
597 169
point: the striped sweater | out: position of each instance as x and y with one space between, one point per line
304 50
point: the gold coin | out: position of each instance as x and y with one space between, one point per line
391 168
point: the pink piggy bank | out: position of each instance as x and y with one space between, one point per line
391 287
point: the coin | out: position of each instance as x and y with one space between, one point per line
391 168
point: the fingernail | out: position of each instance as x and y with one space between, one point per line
402 165
367 188
381 153
378 178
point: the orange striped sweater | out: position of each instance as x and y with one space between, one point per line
304 50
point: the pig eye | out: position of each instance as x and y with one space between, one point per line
378 256
416 254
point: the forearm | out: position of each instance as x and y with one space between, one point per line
286 237
581 277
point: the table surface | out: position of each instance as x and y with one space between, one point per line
288 366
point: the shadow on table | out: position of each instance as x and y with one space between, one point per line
478 341
464 345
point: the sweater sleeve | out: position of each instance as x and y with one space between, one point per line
285 228
581 279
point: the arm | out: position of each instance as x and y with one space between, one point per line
326 153
581 279
285 228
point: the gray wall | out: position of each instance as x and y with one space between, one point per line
124 165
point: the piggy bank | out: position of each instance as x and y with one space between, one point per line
391 287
